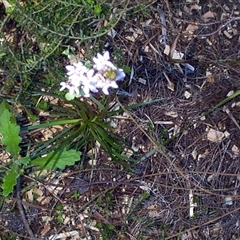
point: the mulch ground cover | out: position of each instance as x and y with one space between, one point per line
186 55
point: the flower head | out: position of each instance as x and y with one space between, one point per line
103 75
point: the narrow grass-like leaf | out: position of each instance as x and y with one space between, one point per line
133 106
54 123
45 146
98 138
105 136
104 125
82 140
101 107
120 159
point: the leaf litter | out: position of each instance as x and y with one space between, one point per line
205 149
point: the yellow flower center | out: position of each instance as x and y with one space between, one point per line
110 74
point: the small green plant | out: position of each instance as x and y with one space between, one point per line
10 138
134 216
59 215
108 231
75 195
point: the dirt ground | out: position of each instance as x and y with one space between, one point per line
190 187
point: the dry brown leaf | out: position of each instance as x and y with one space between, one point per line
99 217
153 211
6 4
227 34
196 7
187 94
45 230
29 195
142 80
146 23
37 191
204 155
228 201
175 54
207 16
170 84
230 93
194 154
235 150
172 114
210 79
191 28
215 135
127 153
130 38
72 234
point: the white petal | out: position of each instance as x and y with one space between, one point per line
94 90
106 55
120 75
86 91
105 90
64 85
76 90
70 68
113 84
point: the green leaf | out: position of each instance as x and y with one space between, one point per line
9 10
55 160
66 52
88 64
107 137
3 106
127 69
60 218
10 132
24 161
10 180
2 54
101 107
97 9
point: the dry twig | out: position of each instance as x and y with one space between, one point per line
21 210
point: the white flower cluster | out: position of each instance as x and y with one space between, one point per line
82 80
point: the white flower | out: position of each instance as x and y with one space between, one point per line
107 74
110 84
75 73
103 76
76 68
104 83
88 83
102 61
73 89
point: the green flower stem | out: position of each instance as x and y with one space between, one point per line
225 100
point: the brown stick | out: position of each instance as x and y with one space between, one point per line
21 210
